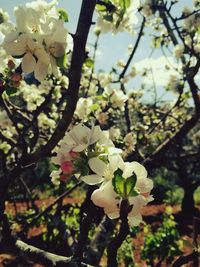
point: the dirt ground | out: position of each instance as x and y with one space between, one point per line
151 214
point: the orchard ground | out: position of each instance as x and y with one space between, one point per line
152 214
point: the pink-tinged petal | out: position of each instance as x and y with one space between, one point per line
28 63
73 154
145 185
92 179
97 166
40 71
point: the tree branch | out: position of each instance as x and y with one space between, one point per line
185 259
116 243
134 49
78 57
47 258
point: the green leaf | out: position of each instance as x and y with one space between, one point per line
89 63
11 90
133 193
63 15
101 7
130 184
94 107
124 3
121 15
118 182
62 61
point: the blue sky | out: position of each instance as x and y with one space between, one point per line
111 47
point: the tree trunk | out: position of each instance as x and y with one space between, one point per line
188 206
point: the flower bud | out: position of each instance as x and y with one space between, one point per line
67 167
16 77
63 178
11 64
73 154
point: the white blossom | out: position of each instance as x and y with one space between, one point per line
108 199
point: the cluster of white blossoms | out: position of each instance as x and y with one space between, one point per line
89 155
116 97
178 51
122 18
38 38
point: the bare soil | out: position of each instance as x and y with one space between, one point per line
151 214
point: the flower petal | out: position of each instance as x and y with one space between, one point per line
138 203
139 170
28 63
42 55
105 197
134 220
80 148
114 150
92 179
128 169
14 49
115 162
97 166
80 134
112 215
40 71
95 134
145 185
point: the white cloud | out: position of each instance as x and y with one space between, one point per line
162 68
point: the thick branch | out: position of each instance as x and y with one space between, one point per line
185 259
47 258
157 159
78 57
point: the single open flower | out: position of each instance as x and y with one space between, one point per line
107 198
35 59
